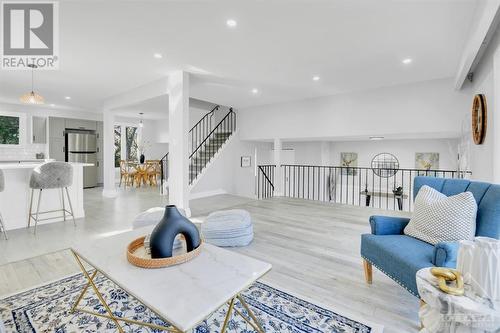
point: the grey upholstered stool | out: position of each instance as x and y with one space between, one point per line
51 175
2 186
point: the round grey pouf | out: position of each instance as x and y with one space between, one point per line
228 228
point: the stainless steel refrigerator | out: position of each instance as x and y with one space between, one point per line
81 146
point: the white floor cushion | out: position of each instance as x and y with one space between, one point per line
228 228
438 218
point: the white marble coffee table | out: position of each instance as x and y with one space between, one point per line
445 313
182 295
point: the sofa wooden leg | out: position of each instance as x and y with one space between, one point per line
368 271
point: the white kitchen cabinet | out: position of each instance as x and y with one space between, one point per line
56 149
100 172
81 124
56 127
99 140
39 129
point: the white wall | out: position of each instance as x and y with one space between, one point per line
226 174
482 156
404 150
310 152
419 117
425 109
156 135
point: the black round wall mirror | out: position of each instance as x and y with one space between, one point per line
385 165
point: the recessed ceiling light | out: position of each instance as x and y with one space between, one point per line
231 23
52 105
316 78
255 91
376 138
407 61
67 97
158 55
141 124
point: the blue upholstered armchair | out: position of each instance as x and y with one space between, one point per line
400 256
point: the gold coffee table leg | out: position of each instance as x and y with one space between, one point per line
255 324
251 314
73 309
228 315
109 314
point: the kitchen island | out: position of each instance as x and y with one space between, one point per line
15 199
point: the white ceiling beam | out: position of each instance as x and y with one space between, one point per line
483 27
137 95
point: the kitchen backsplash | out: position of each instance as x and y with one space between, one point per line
19 153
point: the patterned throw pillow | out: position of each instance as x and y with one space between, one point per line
438 218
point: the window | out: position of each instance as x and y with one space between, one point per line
9 130
126 143
131 143
118 145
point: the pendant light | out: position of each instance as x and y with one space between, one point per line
141 124
32 97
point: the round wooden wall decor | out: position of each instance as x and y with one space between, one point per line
479 119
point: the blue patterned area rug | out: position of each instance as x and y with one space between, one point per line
47 309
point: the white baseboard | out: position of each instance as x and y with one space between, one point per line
205 194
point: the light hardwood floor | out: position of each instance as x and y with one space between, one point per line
314 249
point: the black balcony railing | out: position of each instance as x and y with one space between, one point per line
265 181
383 188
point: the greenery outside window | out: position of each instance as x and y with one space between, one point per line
131 143
126 140
9 130
118 145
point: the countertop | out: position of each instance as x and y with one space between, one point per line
32 165
26 161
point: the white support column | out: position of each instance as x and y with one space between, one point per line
278 179
178 112
495 115
109 154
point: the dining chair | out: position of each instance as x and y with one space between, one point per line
126 173
140 176
153 171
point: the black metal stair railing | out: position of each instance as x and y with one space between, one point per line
211 144
205 141
265 181
163 171
201 129
383 188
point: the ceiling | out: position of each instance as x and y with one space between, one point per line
157 108
107 47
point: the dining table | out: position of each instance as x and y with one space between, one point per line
145 173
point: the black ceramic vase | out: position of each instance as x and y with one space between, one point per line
142 158
172 224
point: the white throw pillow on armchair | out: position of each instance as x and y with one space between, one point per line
438 218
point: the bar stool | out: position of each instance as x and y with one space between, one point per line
2 186
51 175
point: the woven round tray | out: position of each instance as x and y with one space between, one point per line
145 262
